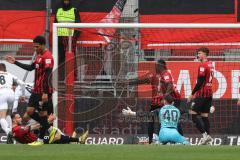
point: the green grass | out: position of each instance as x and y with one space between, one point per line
118 152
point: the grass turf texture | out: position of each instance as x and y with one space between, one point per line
119 152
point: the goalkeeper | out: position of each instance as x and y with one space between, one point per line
169 116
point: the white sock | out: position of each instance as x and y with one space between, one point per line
4 125
204 134
9 120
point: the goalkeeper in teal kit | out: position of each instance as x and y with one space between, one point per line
169 116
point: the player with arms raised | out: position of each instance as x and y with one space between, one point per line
203 95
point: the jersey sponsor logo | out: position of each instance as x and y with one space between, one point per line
48 61
202 69
210 65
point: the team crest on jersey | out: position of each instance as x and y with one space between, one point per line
166 77
150 75
37 65
22 128
202 69
210 65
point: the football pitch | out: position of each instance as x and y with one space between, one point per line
118 152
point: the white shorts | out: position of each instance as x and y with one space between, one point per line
6 99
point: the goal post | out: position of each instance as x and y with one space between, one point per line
162 45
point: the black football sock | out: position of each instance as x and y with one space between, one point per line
44 127
74 139
67 139
180 130
150 131
206 124
150 128
64 139
198 122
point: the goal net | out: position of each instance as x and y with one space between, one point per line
91 88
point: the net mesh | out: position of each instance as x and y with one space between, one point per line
102 67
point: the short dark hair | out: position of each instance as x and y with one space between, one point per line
40 40
13 115
3 67
161 62
168 98
203 49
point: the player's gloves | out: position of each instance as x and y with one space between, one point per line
212 109
128 112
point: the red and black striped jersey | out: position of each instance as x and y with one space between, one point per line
42 63
205 69
23 135
159 86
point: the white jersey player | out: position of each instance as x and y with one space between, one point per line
22 94
7 81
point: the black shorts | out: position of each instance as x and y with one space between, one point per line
154 107
35 101
177 103
202 104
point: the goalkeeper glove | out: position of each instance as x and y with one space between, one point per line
128 112
212 109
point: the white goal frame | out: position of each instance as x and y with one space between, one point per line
127 25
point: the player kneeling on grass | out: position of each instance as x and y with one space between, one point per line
23 134
169 116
